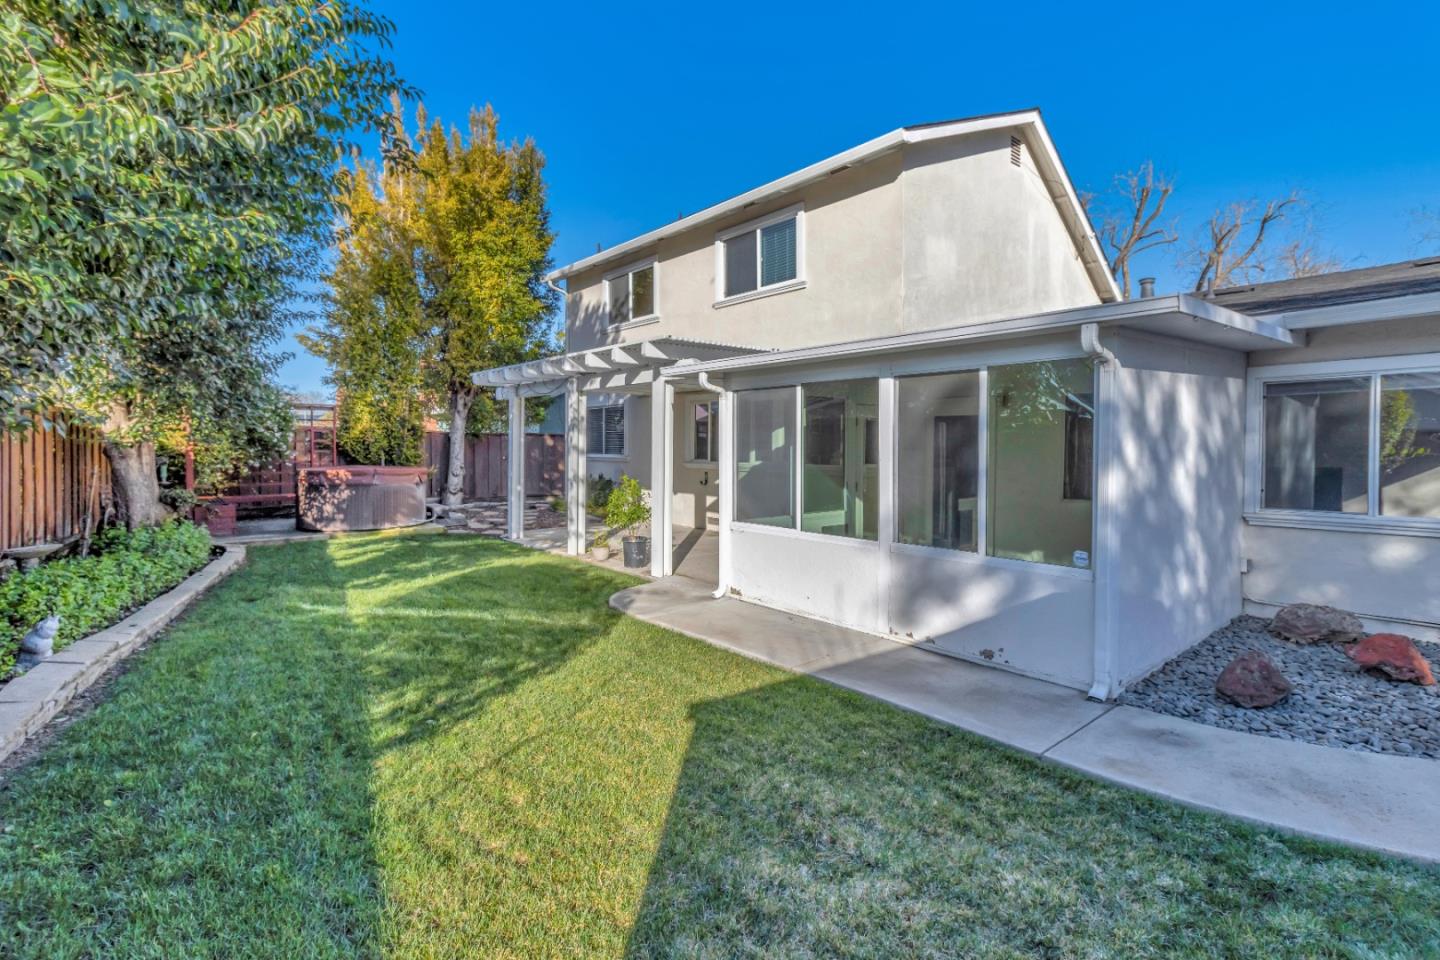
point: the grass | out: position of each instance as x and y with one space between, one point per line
413 746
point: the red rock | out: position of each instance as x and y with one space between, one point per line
1394 655
1251 680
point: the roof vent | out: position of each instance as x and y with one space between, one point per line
1147 287
1016 147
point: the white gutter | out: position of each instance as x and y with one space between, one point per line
1106 544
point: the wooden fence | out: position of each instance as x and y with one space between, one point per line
487 459
49 483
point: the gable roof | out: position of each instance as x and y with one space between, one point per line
1402 279
1047 160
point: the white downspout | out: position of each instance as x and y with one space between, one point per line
724 467
1103 686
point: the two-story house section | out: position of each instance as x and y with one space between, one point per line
897 390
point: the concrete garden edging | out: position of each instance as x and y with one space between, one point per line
29 701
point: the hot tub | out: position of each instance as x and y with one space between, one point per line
335 499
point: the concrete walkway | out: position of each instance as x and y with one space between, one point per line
1367 800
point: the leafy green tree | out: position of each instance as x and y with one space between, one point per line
483 247
166 175
440 273
373 324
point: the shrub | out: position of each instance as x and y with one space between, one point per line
601 487
628 508
128 569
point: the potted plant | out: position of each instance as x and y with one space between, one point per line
600 547
628 510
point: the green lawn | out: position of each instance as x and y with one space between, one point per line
423 746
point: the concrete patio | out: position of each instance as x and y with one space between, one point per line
1372 801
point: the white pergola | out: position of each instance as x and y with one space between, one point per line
630 368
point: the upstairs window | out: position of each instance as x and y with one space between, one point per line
630 293
762 255
605 431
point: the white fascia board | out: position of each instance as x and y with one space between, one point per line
1363 311
1131 311
1260 327
1072 211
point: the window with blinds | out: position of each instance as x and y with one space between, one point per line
605 431
760 255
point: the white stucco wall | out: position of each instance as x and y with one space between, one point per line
1389 580
1180 410
982 238
852 271
1388 338
939 234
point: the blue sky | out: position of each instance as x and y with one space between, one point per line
645 112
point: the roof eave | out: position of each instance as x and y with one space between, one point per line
1057 181
1222 327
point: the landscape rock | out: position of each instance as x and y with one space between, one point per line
1251 680
1393 655
1316 623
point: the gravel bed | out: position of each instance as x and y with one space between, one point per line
1334 703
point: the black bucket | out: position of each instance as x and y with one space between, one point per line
637 551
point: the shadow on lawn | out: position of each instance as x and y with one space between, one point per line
808 821
444 626
218 803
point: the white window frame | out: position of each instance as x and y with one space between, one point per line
627 272
1372 521
795 211
624 453
888 536
691 458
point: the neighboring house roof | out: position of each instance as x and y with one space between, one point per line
1403 279
1047 160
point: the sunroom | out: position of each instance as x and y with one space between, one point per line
1060 496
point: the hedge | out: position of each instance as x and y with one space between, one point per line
127 569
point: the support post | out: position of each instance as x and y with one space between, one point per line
885 496
516 498
725 476
1108 497
662 478
575 477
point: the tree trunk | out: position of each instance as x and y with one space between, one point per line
454 493
136 487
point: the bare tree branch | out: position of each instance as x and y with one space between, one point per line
1135 226
1224 257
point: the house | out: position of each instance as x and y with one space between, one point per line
901 392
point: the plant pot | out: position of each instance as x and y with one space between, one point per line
637 551
600 553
